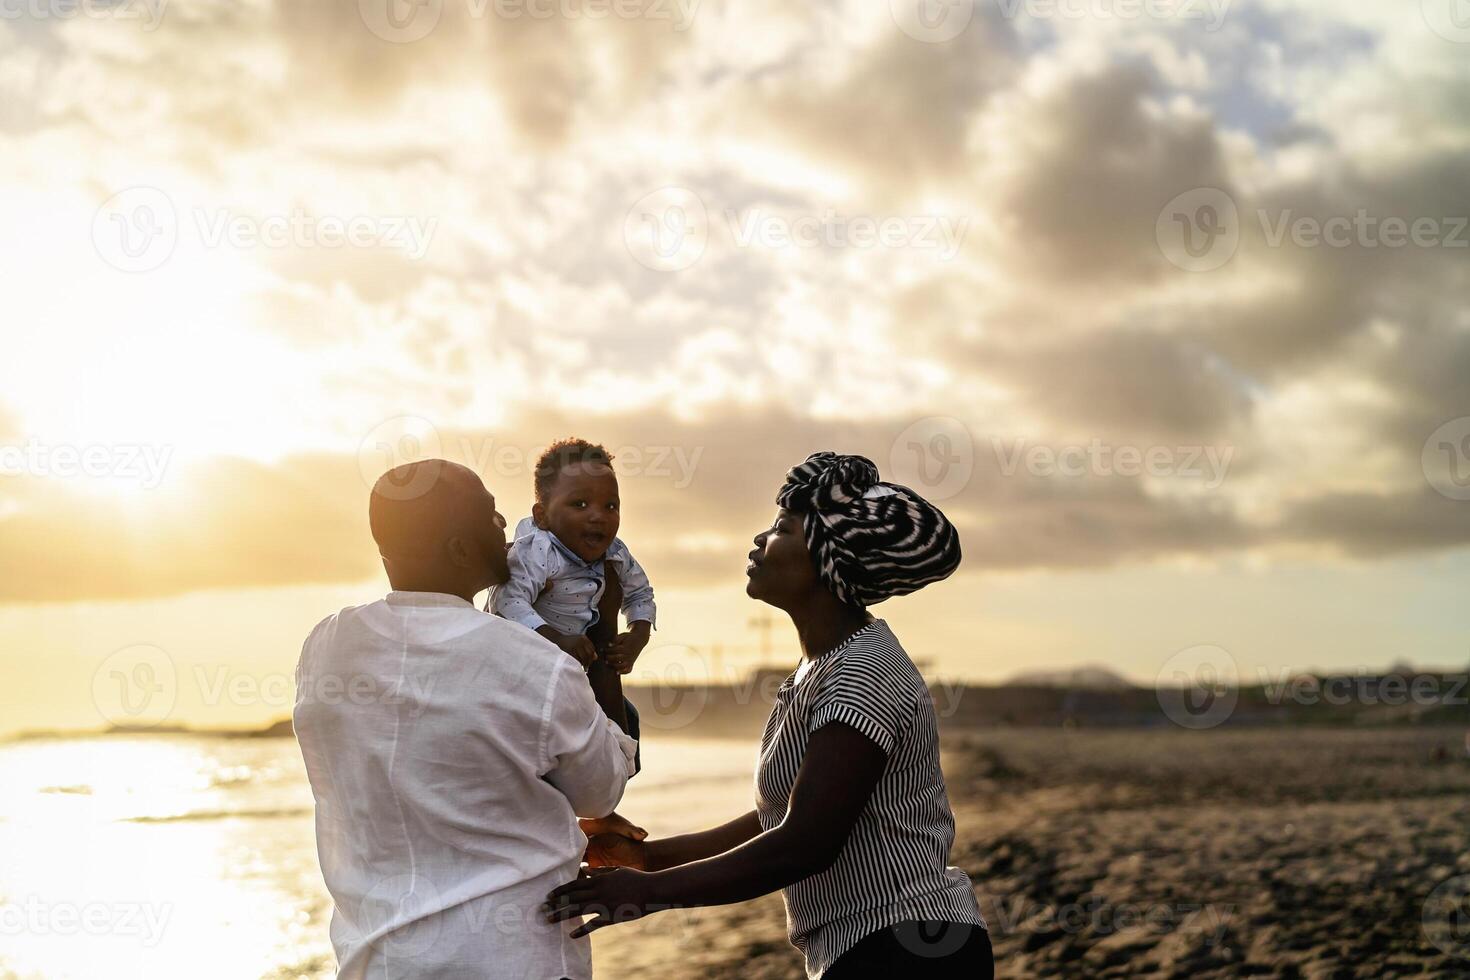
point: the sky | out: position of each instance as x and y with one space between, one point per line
1165 303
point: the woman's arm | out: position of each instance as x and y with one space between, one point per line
613 842
671 852
837 777
838 774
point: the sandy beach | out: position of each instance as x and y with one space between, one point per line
1254 852
1270 852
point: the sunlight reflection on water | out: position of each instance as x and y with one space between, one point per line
188 856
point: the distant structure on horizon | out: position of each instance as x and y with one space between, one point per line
1092 677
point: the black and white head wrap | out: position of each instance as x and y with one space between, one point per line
870 540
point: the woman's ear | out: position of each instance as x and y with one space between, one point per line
538 514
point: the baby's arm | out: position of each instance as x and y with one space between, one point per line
514 599
638 604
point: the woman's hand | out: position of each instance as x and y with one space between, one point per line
613 895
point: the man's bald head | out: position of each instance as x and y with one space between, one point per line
434 521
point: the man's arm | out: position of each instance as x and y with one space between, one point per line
586 756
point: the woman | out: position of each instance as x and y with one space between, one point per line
852 820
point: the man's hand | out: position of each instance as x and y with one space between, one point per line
623 651
613 842
613 823
579 648
615 851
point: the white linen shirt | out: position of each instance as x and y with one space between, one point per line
551 586
450 753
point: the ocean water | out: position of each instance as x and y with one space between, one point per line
193 856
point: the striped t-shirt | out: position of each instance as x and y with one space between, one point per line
894 867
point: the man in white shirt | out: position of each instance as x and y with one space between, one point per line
450 753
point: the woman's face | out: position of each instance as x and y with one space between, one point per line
780 570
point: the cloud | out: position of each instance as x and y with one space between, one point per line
530 142
896 113
1371 526
1088 163
1127 379
231 523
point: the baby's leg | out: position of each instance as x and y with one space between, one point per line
607 684
606 627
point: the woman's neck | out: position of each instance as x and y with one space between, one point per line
823 624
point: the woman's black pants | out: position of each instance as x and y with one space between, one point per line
929 950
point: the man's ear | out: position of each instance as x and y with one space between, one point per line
459 552
538 514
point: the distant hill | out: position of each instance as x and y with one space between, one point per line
1090 695
1088 677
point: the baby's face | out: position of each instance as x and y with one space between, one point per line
582 509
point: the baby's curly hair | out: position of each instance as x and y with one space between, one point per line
561 454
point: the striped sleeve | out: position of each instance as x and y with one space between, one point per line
869 692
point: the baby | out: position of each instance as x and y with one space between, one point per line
559 553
